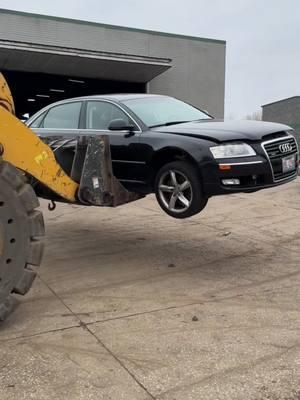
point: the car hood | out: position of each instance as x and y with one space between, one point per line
220 130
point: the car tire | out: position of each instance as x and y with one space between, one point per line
21 237
178 189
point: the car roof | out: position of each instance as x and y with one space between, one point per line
116 97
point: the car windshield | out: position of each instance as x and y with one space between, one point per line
160 111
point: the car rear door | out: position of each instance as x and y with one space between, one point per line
58 126
59 122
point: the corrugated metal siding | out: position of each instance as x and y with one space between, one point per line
285 112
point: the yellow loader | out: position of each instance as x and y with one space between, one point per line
25 158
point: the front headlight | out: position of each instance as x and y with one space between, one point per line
232 150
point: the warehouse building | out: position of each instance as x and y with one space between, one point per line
285 111
46 59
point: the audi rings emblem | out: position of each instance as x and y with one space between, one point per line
285 148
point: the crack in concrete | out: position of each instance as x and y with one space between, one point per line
86 328
229 371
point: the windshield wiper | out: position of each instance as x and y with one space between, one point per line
168 123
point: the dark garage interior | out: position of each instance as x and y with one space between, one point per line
33 91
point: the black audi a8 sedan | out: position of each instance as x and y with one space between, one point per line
163 145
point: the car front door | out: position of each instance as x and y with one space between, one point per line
128 166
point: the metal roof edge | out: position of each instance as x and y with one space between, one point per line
280 101
27 46
124 28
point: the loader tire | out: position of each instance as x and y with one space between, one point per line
21 237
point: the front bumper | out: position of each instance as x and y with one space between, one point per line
253 173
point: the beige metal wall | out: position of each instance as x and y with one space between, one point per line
197 74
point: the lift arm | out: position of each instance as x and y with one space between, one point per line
21 225
6 99
23 149
91 181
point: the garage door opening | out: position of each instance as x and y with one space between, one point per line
33 91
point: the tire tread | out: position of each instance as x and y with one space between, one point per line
34 220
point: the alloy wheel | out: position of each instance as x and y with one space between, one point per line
175 191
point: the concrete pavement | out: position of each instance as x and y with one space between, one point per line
132 304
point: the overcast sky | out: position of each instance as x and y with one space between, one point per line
263 37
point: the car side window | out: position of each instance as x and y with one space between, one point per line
99 115
63 116
37 122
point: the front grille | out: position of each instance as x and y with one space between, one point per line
275 135
275 155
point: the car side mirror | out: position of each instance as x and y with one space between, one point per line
121 125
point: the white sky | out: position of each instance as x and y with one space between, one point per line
263 37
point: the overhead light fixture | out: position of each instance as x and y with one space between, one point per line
57 90
43 95
76 81
31 100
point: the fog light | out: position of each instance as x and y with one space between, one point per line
231 182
